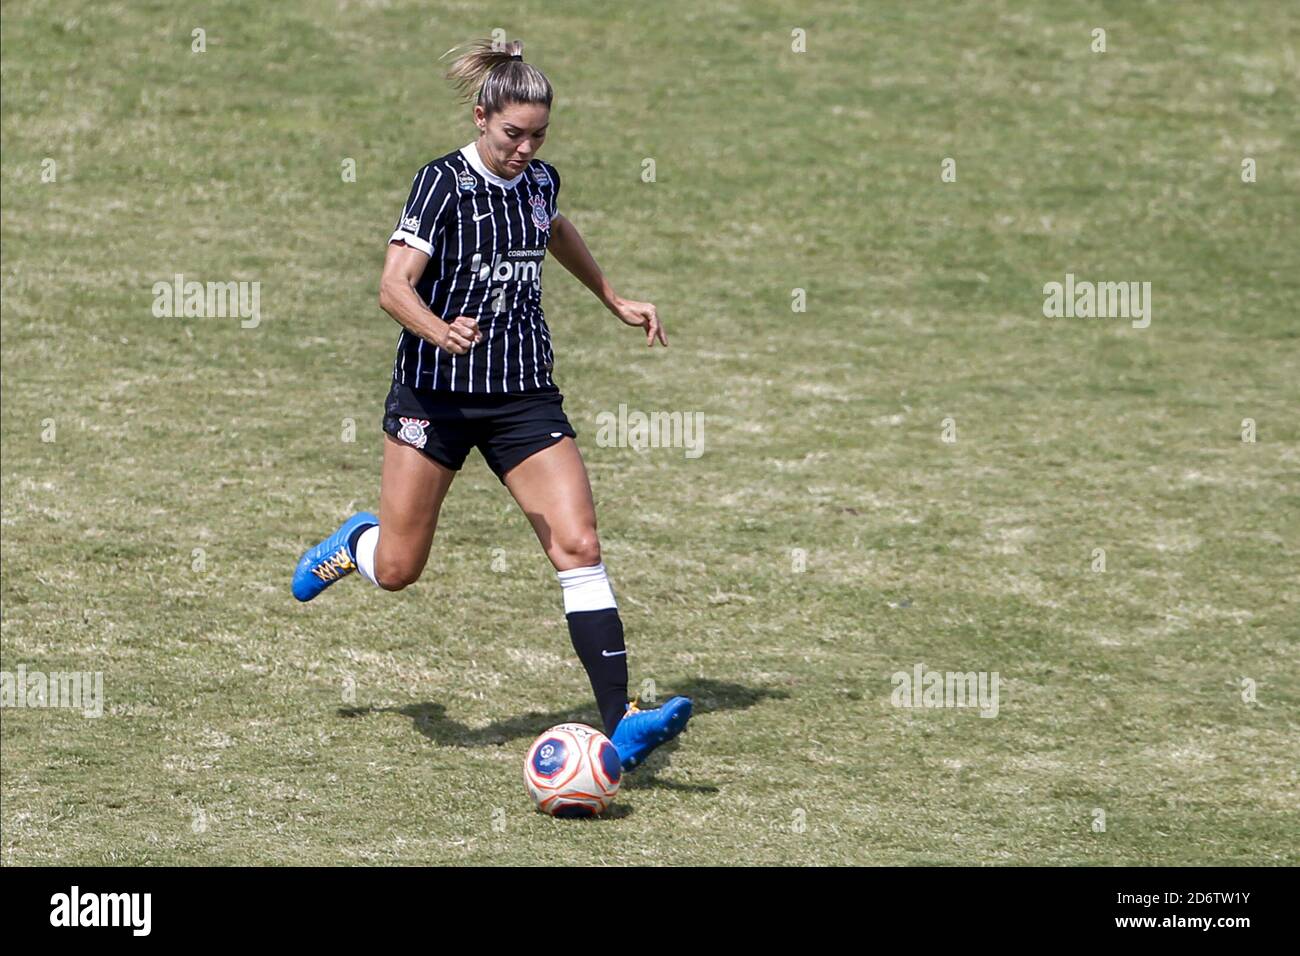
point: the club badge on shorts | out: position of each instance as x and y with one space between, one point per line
540 219
412 431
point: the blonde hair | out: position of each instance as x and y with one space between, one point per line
492 75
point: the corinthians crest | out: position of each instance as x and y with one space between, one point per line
540 219
412 431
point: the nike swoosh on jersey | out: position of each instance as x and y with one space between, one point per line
482 216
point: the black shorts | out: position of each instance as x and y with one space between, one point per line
505 427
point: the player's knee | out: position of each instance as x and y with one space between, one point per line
395 575
579 550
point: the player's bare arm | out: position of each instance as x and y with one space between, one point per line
567 246
403 266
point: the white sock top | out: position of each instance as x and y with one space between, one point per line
586 589
366 545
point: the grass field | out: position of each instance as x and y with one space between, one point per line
162 475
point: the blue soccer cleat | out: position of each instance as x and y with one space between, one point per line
330 560
641 731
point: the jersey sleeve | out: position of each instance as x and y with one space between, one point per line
555 193
432 193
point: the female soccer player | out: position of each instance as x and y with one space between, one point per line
463 277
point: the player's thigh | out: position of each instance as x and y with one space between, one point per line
410 498
552 488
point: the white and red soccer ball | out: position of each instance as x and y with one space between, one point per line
572 770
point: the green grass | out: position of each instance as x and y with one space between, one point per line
227 737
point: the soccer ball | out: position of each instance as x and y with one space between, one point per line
572 770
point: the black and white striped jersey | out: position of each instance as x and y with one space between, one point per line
486 238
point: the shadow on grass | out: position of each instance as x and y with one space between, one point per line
710 696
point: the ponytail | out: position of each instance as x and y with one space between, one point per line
492 74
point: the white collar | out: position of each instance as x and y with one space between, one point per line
472 157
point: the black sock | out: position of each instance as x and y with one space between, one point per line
598 639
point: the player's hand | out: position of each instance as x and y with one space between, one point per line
643 316
461 335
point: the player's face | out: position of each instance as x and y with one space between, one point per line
511 137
